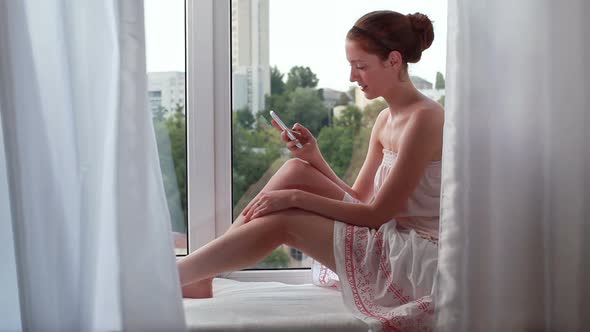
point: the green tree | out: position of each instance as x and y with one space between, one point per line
245 117
440 81
352 93
277 258
360 147
441 101
176 124
306 107
262 122
277 103
277 85
301 77
171 142
351 117
336 146
320 93
158 115
253 151
371 112
267 138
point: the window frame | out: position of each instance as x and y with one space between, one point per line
208 54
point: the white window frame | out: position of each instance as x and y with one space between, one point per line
208 33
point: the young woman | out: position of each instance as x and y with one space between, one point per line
380 235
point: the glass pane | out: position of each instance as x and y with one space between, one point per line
288 56
165 55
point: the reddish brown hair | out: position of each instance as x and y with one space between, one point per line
381 32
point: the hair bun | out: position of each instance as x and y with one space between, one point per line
422 25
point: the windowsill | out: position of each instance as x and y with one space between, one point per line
294 277
270 306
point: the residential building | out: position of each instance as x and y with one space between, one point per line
331 97
420 83
250 54
166 90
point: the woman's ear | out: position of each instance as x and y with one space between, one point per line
394 59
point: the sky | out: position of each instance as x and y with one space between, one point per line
302 33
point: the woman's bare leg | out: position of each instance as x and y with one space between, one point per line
294 174
298 174
250 243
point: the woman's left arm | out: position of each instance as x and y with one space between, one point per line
359 214
419 143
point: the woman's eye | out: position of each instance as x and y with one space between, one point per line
360 66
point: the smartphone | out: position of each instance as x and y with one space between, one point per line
282 125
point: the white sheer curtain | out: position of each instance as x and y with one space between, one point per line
81 190
514 247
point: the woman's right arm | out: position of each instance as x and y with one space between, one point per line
363 186
322 165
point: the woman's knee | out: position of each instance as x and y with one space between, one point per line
274 227
281 226
296 173
303 230
297 166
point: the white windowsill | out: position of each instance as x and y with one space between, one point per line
294 277
270 306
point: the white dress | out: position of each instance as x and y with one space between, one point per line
387 275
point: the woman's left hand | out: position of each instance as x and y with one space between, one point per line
269 202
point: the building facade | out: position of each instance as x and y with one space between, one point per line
166 90
250 54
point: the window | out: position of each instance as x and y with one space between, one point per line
285 58
165 65
229 93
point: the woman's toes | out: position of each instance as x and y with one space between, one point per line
198 290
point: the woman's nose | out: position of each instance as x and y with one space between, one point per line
352 75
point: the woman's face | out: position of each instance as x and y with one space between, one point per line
373 75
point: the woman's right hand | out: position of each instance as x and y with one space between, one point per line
310 151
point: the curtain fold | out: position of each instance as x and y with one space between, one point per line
9 301
514 209
92 237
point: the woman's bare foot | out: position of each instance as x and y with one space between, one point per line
202 289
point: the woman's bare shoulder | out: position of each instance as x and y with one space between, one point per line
381 119
427 123
429 110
